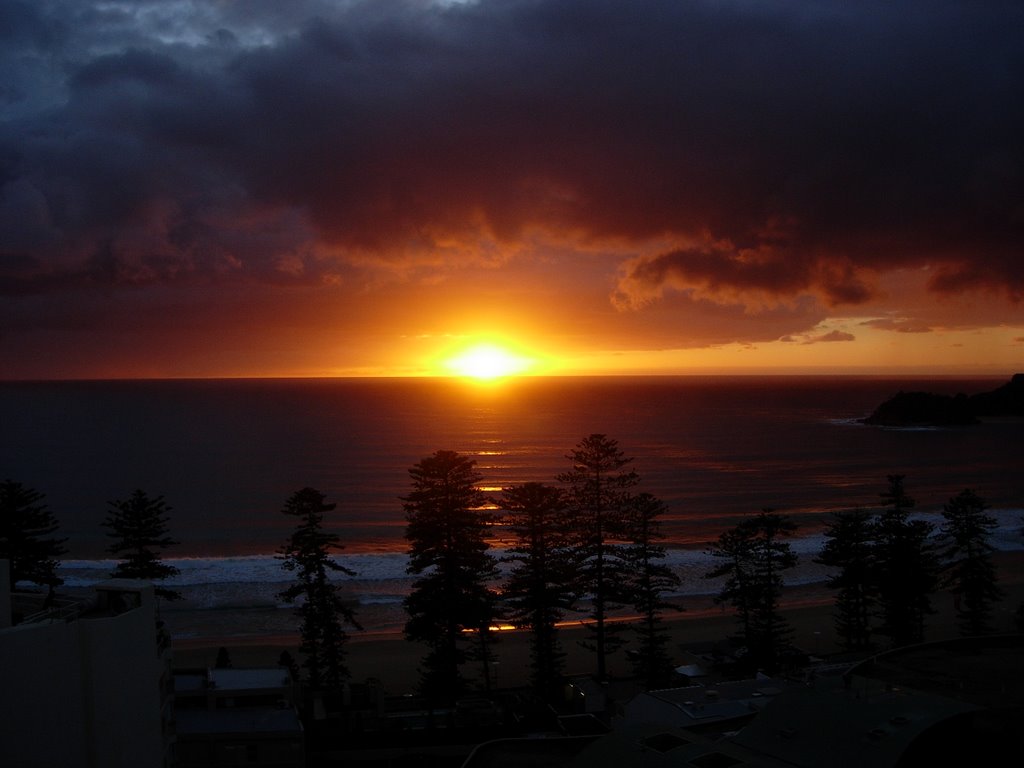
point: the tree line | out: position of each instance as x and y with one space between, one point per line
884 568
590 544
138 525
888 566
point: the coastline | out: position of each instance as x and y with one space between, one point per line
389 658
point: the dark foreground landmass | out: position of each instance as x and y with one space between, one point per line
907 409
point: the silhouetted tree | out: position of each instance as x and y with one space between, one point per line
754 558
448 551
598 494
849 547
538 588
735 550
907 567
969 570
286 660
139 528
323 612
26 537
482 641
649 580
774 556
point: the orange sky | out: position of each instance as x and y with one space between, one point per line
323 189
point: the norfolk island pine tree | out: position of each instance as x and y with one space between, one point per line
968 569
139 527
323 613
597 490
448 553
650 579
26 537
538 589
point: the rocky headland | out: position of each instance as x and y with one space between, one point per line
908 409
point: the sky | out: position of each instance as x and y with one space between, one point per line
313 188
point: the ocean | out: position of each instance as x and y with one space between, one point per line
226 454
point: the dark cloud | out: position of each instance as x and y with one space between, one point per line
831 336
777 150
721 272
899 325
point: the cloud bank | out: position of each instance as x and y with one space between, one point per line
740 154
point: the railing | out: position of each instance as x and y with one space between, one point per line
62 609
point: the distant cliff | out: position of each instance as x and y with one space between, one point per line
907 409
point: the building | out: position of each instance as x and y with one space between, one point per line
703 708
85 682
954 702
237 717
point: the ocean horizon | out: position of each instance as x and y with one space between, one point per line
226 454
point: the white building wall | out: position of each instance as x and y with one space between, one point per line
122 671
41 702
82 693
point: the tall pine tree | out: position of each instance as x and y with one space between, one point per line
323 612
598 493
737 565
968 569
849 548
753 558
907 567
26 537
649 580
448 553
771 631
139 527
538 589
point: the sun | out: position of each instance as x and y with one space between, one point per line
487 361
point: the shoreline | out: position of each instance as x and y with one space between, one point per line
386 656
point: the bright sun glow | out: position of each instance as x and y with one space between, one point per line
487 361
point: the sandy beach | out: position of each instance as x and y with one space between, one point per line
391 659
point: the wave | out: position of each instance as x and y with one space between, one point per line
381 578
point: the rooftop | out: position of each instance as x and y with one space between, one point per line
814 727
196 722
249 679
987 671
700 705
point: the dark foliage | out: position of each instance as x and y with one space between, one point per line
26 536
323 613
286 660
735 550
538 589
139 527
598 494
968 568
448 551
906 567
649 580
753 558
849 547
